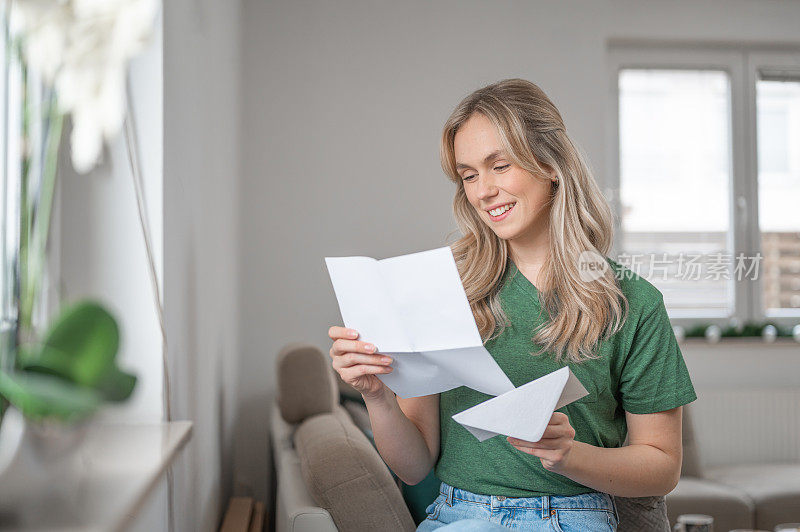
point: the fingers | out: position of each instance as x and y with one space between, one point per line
336 332
361 357
351 359
360 370
558 431
553 456
554 446
341 347
544 443
528 450
558 427
555 434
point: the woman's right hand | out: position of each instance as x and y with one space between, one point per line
357 362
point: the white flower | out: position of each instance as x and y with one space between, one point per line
83 47
44 25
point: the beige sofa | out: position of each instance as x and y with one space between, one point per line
330 477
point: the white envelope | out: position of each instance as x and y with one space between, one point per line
414 309
523 412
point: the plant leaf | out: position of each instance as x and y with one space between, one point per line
40 396
80 346
116 385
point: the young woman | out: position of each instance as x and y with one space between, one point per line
532 259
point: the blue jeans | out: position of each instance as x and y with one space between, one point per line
463 511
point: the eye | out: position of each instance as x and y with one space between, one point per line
498 168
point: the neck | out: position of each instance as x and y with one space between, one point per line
530 251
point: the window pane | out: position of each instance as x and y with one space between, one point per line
778 124
675 185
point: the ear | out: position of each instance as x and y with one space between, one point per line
550 171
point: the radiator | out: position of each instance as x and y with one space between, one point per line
747 426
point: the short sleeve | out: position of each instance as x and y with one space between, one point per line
654 377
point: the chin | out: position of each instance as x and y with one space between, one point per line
504 235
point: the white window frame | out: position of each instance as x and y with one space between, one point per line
742 64
787 63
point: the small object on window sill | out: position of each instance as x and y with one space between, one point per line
728 340
713 334
737 329
769 333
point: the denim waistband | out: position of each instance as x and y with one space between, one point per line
594 500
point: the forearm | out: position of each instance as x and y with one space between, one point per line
399 441
630 471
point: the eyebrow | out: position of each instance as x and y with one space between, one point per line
494 155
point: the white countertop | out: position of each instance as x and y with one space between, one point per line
106 481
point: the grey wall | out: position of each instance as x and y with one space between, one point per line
201 165
343 103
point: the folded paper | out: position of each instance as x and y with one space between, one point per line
414 308
523 412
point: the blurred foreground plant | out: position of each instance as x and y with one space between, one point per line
73 371
67 58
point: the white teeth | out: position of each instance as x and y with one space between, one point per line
500 210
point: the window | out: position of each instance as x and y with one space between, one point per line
11 120
778 128
674 136
23 116
705 179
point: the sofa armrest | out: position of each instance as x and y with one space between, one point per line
295 509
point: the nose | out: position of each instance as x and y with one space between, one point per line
487 188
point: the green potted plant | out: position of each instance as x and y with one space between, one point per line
66 59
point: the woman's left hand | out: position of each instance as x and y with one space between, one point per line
554 447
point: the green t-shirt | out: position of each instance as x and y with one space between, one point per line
640 370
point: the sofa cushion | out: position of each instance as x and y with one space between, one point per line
774 488
295 508
346 476
730 507
417 497
306 382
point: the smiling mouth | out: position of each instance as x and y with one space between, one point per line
501 212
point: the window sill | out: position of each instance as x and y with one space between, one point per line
740 340
108 479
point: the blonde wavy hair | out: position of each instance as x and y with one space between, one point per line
581 313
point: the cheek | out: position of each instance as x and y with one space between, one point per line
471 198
